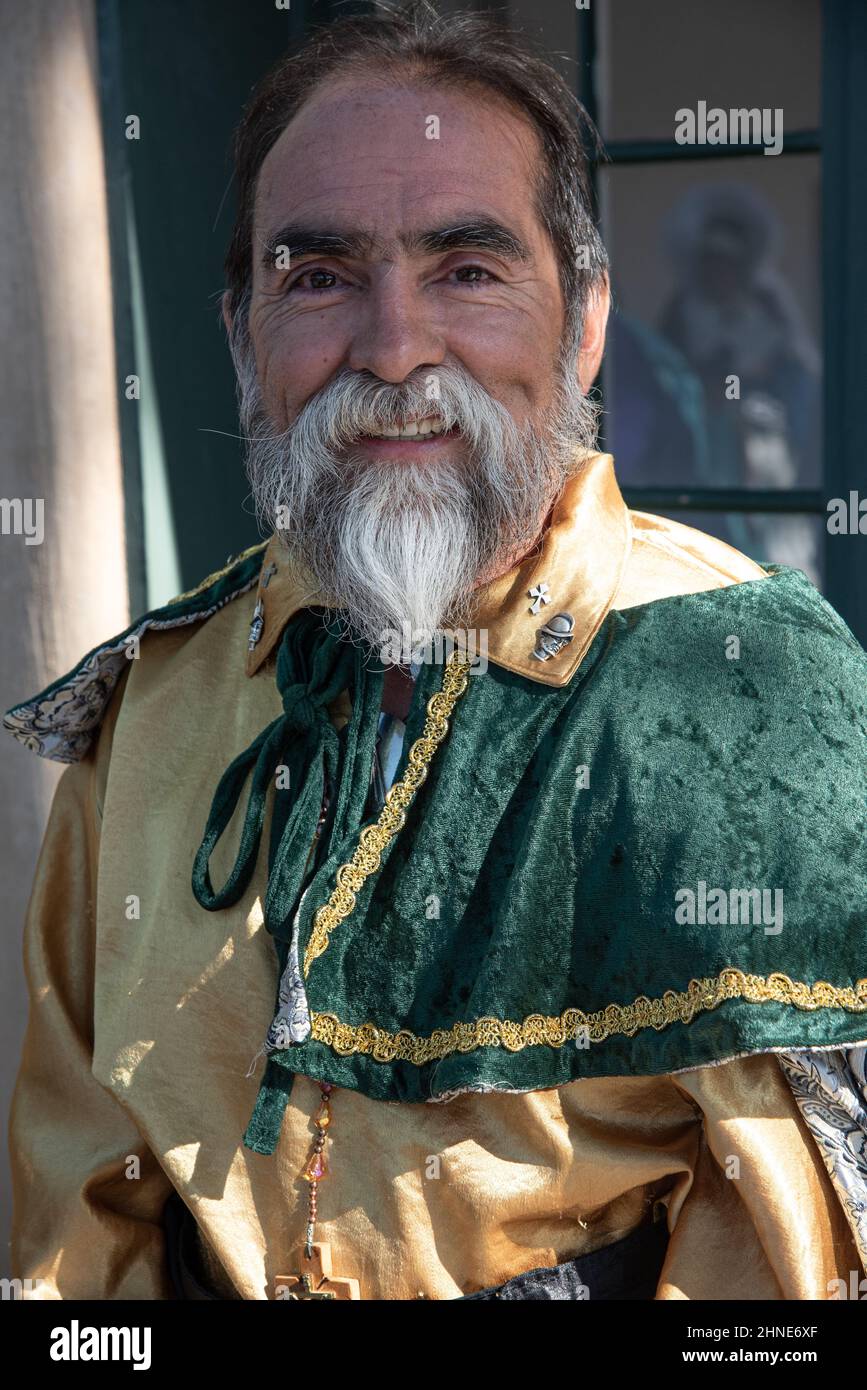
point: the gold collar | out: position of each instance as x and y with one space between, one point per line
581 558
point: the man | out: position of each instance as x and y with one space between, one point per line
521 1036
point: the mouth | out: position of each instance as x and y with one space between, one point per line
411 437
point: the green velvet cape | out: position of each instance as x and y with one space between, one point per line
522 930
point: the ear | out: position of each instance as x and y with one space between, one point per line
593 337
227 314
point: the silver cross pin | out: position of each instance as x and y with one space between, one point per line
540 595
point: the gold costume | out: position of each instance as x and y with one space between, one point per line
146 1014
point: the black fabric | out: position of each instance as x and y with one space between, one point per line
188 1279
627 1269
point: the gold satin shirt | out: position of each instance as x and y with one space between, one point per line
146 1013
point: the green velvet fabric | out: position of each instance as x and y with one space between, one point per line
552 895
313 667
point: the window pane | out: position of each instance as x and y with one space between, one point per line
549 24
781 538
655 58
712 370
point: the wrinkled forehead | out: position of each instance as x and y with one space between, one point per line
386 156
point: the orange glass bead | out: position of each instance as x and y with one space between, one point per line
316 1169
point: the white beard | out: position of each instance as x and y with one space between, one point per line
400 548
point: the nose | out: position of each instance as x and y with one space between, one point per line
395 332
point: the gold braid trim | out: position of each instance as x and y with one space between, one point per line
218 574
374 838
675 1006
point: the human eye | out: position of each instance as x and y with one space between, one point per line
315 274
480 275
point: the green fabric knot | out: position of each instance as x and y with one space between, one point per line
313 667
325 768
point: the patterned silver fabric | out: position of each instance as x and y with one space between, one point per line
61 723
291 1023
830 1086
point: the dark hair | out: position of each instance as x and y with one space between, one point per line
464 51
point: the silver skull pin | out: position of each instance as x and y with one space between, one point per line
554 636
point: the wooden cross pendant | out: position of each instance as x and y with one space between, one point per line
315 1280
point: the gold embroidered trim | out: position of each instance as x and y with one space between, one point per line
218 574
675 1006
374 838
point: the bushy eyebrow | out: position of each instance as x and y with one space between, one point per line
477 233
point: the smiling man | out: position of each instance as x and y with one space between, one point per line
433 914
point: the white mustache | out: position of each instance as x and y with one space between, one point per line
354 404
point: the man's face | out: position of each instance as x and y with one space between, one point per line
408 415
356 162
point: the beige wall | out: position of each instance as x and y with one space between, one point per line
58 429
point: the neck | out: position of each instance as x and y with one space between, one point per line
504 563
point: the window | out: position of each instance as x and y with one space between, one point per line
729 382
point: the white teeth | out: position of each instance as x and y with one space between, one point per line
413 430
